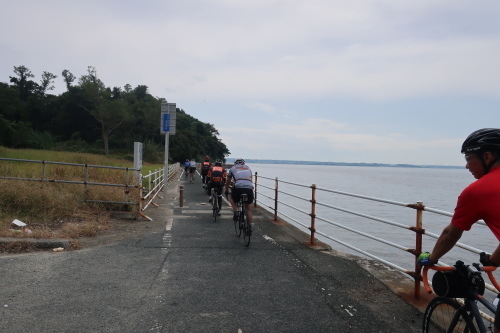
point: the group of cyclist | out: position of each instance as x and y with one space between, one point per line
190 169
478 201
239 177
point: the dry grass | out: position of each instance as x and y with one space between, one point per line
53 210
59 210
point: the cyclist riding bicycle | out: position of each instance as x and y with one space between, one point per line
186 167
242 176
217 177
205 167
192 169
479 200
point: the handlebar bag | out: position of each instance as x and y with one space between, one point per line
456 284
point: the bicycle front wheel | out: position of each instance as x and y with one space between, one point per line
446 315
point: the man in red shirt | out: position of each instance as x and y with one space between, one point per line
479 200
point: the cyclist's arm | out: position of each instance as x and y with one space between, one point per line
495 256
449 237
228 181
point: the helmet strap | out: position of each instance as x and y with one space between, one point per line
487 167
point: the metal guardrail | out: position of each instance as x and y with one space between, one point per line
131 181
155 182
417 229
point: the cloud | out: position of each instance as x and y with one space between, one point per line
261 107
323 137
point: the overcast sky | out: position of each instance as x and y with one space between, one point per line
380 81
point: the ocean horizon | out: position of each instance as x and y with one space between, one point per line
264 161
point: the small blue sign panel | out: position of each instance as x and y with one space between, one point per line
166 122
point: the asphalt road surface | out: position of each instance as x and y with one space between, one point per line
184 273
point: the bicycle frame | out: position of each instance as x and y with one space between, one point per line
470 304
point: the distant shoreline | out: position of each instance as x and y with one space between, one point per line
231 160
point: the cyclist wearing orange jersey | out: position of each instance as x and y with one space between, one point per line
479 200
205 167
217 177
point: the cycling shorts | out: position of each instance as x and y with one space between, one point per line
218 186
236 194
192 170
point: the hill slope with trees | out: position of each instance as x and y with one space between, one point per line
91 117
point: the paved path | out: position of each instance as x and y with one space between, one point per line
190 274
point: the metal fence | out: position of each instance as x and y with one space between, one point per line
273 201
131 178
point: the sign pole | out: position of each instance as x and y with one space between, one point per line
167 127
165 168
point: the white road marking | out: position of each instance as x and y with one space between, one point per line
170 222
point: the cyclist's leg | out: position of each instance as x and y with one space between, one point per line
248 205
219 196
233 199
209 191
249 213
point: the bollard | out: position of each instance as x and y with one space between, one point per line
181 196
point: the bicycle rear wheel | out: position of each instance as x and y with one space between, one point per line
237 224
446 315
247 232
215 209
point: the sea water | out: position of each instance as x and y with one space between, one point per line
437 188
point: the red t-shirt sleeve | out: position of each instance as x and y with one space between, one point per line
468 209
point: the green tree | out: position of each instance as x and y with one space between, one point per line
68 78
47 82
26 86
90 115
110 114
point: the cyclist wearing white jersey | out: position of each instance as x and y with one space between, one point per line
242 176
192 169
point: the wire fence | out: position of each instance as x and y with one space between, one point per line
270 195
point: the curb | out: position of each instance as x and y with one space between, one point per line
37 243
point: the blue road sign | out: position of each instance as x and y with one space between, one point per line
166 122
